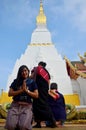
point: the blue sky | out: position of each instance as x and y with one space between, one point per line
66 20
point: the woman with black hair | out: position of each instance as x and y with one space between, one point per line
22 90
41 109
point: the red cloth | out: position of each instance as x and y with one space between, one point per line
57 96
41 71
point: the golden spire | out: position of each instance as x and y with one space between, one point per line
41 18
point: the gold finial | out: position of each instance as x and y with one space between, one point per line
41 18
40 1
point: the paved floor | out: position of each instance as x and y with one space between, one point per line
66 127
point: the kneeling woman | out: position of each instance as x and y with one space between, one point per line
22 89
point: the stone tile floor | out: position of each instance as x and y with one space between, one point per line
65 127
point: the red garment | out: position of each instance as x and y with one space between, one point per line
54 95
41 71
57 96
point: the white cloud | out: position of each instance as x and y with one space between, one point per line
73 11
17 13
21 12
76 13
